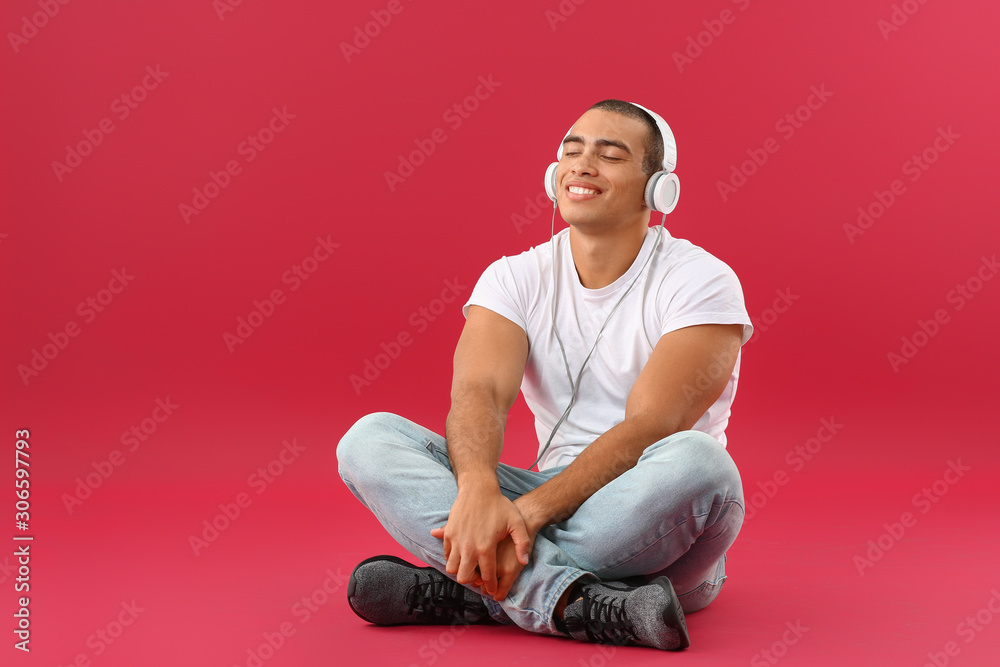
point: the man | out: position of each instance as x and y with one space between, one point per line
627 522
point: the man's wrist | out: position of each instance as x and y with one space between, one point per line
532 513
478 482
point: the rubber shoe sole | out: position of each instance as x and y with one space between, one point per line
673 615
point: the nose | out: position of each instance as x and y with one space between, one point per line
582 165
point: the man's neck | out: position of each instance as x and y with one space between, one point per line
601 259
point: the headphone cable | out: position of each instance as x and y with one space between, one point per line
576 385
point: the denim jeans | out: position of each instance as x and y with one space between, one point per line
675 513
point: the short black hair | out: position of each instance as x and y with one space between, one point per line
652 160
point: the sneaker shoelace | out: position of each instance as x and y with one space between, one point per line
438 599
605 621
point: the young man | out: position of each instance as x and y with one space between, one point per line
627 522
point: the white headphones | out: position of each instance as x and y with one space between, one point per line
662 189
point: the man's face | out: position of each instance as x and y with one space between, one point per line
599 180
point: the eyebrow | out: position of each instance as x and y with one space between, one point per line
601 142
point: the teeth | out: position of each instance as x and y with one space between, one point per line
582 191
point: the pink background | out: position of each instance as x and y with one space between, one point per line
855 296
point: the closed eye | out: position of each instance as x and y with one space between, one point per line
606 157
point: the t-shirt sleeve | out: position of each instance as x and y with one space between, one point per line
706 291
497 291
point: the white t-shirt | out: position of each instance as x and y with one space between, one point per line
682 285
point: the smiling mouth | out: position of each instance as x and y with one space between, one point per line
577 190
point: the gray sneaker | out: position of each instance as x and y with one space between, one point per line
611 612
386 590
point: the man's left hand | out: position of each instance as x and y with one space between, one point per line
508 565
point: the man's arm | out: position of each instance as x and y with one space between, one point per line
670 395
489 365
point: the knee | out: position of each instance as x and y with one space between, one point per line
703 457
361 443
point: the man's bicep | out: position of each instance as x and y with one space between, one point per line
492 352
687 371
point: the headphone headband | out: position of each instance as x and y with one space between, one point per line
662 188
669 143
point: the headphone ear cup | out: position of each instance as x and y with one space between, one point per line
662 191
550 181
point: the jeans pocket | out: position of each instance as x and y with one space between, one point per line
440 455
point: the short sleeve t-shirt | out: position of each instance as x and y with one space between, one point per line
682 285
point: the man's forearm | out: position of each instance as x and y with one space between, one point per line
474 432
602 461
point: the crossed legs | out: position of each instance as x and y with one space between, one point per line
675 513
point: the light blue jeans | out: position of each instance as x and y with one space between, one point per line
675 513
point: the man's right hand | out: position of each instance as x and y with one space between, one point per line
480 519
